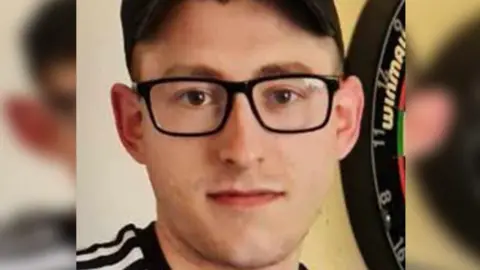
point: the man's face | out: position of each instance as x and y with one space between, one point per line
47 124
244 196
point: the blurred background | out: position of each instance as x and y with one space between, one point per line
37 142
27 183
443 212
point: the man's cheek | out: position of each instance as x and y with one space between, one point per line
173 189
317 168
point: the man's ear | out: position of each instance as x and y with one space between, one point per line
33 124
348 109
128 120
429 116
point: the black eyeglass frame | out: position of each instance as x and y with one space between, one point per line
144 88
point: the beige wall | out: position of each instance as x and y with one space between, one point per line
112 190
25 182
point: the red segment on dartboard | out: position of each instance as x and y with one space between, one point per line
401 165
401 105
401 160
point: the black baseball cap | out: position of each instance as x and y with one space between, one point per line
139 16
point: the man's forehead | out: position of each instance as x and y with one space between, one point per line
209 29
232 66
193 15
159 59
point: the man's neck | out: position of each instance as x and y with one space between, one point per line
179 256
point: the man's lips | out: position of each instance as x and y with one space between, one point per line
245 198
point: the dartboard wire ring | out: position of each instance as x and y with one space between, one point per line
380 208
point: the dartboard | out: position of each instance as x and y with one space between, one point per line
373 175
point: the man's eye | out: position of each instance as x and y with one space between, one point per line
195 98
283 96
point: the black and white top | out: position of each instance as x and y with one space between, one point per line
133 249
40 241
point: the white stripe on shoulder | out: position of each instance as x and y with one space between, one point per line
105 251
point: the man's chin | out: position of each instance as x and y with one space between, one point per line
251 252
247 258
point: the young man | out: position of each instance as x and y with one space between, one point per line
46 126
240 114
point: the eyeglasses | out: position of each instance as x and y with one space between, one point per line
188 106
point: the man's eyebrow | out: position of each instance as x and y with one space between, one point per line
204 71
192 71
282 69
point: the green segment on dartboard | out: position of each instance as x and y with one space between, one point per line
400 134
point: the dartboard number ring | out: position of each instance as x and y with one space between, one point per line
388 161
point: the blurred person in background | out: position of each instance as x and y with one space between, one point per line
46 126
234 106
443 136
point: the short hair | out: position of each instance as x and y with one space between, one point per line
50 35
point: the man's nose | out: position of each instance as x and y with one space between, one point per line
240 142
